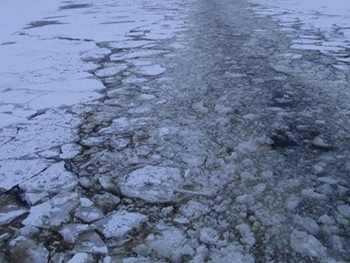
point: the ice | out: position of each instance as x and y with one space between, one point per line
231 253
53 212
152 184
70 150
152 70
247 236
119 223
71 232
344 210
88 214
193 210
110 71
81 258
8 214
53 180
209 236
14 172
90 242
307 245
23 249
123 123
309 224
171 243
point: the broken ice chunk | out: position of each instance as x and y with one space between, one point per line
307 245
8 214
209 236
119 223
152 183
53 212
22 249
88 214
91 243
53 180
344 210
247 234
81 258
70 233
171 244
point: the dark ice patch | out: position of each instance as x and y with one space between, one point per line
283 140
35 24
75 6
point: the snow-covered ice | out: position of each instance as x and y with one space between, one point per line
174 131
152 184
118 224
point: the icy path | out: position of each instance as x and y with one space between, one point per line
212 140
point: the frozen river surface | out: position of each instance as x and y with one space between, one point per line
173 131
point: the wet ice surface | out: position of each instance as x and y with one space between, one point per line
172 131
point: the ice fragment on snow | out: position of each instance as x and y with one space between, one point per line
119 223
152 183
307 245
